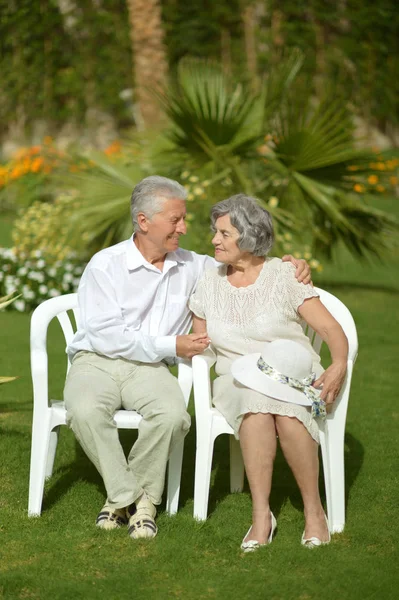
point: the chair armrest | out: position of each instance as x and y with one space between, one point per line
185 378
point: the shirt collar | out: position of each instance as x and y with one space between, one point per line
135 260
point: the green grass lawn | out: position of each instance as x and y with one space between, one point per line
61 555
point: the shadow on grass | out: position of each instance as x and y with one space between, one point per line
284 486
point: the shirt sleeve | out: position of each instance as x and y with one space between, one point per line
106 329
197 299
297 292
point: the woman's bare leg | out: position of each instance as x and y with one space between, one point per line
258 445
301 453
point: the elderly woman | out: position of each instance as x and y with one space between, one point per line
246 301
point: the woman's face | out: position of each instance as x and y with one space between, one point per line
225 241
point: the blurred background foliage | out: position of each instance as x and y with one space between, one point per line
60 58
296 105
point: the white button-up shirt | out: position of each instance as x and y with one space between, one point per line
130 309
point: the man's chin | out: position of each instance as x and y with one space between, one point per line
172 245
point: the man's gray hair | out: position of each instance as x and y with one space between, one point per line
150 193
253 223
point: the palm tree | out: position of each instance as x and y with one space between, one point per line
149 57
278 143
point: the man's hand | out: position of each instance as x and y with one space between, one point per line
189 345
303 272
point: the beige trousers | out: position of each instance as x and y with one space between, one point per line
96 387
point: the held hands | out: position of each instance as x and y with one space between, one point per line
303 273
330 382
189 345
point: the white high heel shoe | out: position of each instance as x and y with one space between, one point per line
314 542
252 545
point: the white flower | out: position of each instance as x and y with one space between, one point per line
193 179
9 253
184 175
40 264
65 287
53 292
1 275
19 305
68 278
52 272
68 267
43 289
37 253
198 191
10 288
22 271
28 294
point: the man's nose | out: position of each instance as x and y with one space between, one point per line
181 227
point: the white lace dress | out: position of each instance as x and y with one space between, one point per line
240 321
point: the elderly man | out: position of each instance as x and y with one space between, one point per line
134 318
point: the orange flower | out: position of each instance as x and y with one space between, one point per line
380 188
16 172
372 179
352 168
36 164
393 180
359 188
113 148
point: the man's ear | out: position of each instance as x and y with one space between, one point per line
142 222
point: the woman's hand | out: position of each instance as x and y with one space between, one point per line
330 382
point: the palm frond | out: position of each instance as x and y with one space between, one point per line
103 216
204 105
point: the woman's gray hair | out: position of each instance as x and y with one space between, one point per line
253 223
150 193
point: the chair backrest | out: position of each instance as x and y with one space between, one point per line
341 313
41 317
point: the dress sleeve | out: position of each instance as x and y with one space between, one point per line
197 300
297 292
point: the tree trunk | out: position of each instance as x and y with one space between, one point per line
249 21
225 45
149 58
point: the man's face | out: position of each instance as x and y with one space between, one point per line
165 228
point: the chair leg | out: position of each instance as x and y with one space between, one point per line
51 451
326 472
236 466
337 478
38 461
174 478
202 481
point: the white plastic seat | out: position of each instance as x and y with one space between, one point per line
210 423
48 415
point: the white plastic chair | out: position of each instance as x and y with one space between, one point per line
210 424
48 415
